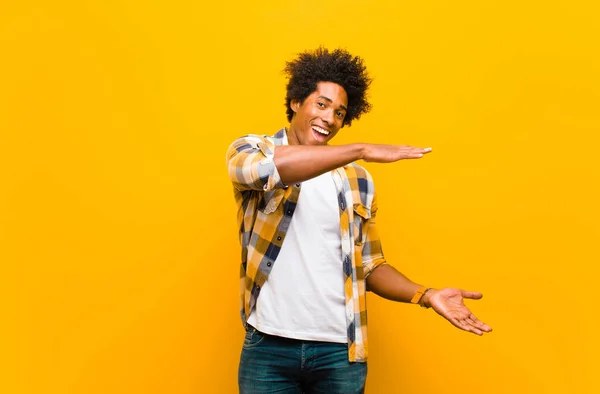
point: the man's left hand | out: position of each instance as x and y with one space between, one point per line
448 303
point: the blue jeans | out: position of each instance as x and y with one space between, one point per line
271 364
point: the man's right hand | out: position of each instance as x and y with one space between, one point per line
297 163
380 153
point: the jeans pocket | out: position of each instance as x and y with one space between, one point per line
253 338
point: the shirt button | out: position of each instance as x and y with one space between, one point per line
269 264
289 211
297 185
279 238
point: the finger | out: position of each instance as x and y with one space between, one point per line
475 330
473 295
466 325
471 327
415 154
475 322
420 150
461 323
409 147
456 323
482 326
414 149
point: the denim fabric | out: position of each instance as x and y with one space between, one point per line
271 364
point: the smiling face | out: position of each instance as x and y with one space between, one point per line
318 119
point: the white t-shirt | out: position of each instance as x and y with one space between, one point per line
304 295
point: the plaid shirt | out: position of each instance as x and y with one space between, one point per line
265 209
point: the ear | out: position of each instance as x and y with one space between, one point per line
294 105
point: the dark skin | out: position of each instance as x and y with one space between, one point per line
315 122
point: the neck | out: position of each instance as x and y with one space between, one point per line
291 136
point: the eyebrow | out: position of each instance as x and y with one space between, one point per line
331 101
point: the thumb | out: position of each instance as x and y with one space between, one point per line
473 295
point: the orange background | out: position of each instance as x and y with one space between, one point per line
119 249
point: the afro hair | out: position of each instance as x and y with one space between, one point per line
337 66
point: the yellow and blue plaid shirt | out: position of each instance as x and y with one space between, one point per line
265 208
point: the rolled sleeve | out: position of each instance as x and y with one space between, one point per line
251 166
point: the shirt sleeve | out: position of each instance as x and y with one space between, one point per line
250 164
372 253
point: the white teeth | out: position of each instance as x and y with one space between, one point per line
320 130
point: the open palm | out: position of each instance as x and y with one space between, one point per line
448 303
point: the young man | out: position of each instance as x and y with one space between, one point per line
310 246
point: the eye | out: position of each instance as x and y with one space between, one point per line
339 114
320 104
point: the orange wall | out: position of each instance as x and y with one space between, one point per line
117 223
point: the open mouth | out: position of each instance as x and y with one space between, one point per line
320 130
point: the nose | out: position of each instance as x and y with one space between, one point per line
328 117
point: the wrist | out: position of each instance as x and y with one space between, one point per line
426 299
359 151
419 297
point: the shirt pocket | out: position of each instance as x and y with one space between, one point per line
361 215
